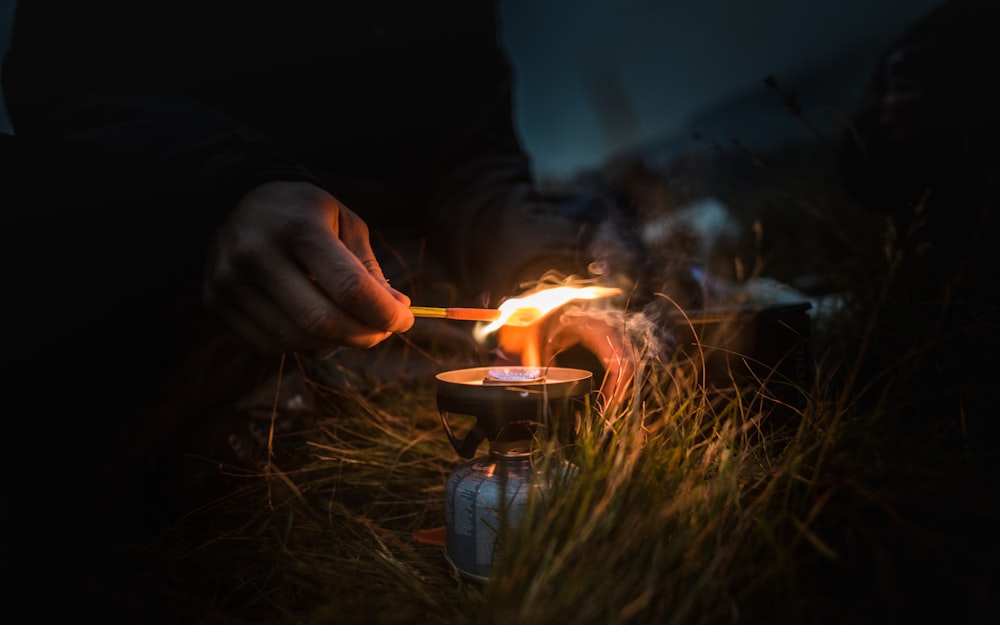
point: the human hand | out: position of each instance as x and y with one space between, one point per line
606 339
292 268
601 335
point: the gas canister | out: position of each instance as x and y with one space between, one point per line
487 495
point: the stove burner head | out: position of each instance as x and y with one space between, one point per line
514 375
509 403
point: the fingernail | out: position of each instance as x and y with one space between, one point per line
400 296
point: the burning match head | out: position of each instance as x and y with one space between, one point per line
518 311
532 307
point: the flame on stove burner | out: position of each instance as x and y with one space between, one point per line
508 375
533 306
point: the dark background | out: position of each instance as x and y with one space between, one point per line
596 77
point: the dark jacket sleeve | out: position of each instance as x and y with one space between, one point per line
495 225
88 105
491 222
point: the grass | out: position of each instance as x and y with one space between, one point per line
684 510
863 495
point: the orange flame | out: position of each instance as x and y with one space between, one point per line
518 322
533 306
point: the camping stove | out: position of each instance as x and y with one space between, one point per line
511 407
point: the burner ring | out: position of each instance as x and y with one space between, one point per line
477 390
514 375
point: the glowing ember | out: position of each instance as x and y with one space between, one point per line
533 306
507 375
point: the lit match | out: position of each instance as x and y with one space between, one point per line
518 311
464 314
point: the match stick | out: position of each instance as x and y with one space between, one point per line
465 314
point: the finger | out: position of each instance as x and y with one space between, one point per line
316 319
255 315
282 310
606 343
400 297
228 302
250 331
358 289
619 372
619 377
354 233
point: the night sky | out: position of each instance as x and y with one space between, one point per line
599 76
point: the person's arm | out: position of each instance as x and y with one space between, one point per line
106 113
499 230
